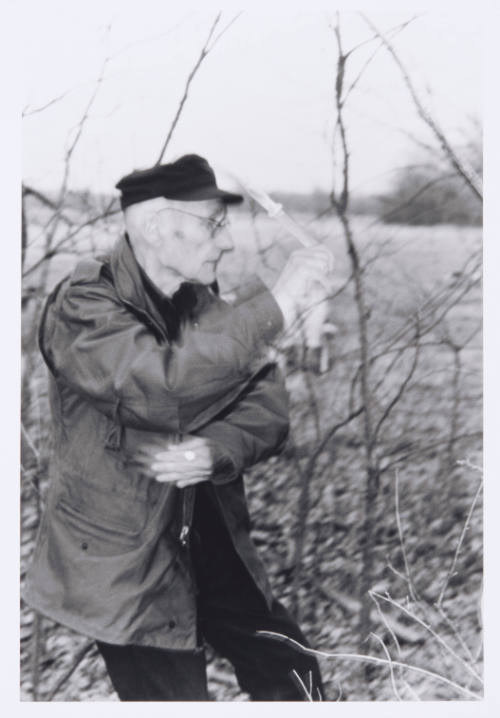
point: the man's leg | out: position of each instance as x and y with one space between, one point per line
265 668
141 673
232 610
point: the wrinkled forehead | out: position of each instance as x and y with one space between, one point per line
172 213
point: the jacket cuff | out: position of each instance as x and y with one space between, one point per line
225 468
257 302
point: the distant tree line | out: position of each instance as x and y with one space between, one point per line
427 196
419 196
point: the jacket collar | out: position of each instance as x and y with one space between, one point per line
127 278
136 290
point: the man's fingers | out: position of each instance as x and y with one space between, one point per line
183 484
180 465
166 478
193 443
189 460
325 283
315 256
183 455
182 470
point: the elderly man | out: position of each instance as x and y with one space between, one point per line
162 396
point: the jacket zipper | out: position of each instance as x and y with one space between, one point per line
187 514
188 499
187 493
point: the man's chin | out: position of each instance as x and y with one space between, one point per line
209 274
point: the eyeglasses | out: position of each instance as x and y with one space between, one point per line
213 224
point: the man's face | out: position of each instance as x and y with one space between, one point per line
192 238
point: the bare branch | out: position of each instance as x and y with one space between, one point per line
79 130
340 203
456 633
467 173
41 197
449 295
393 32
299 683
416 448
224 30
369 659
207 47
460 542
28 112
401 390
433 633
56 248
413 592
389 659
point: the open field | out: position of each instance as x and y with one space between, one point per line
431 445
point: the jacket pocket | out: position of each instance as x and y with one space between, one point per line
97 535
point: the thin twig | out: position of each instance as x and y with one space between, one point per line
429 446
388 626
429 628
108 212
207 47
460 542
27 112
455 632
468 174
370 659
393 32
411 587
224 30
470 465
340 201
79 130
389 659
41 197
402 387
301 686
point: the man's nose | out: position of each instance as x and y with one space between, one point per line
224 241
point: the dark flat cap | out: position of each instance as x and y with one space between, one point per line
190 178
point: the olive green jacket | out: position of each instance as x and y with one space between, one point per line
111 559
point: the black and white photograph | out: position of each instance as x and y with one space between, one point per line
251 381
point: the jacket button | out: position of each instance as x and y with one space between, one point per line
85 545
171 624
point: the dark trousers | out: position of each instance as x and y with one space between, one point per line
230 611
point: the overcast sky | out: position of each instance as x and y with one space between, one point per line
261 105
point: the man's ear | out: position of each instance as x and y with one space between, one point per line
150 227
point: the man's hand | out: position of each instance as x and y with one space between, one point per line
184 463
303 271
